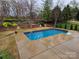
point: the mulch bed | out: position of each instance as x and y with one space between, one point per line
2 29
22 26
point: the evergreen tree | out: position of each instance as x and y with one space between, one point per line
74 4
74 12
66 13
77 16
56 12
46 10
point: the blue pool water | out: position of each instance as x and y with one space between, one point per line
36 35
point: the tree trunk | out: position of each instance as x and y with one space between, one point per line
55 22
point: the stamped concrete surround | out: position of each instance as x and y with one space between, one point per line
53 47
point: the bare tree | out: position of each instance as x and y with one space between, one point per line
56 14
13 7
18 8
31 8
5 9
74 4
24 8
61 4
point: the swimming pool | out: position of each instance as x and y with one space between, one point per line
36 35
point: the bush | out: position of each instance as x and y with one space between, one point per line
68 26
75 27
71 27
60 25
57 25
40 23
8 24
9 18
65 26
13 24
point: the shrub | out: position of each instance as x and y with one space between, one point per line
68 26
75 27
9 18
60 25
13 24
40 23
6 24
65 26
57 25
71 28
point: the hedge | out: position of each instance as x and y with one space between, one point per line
68 26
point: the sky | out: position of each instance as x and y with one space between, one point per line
55 2
39 2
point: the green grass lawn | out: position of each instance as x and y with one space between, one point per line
5 55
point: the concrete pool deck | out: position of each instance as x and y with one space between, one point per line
57 47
